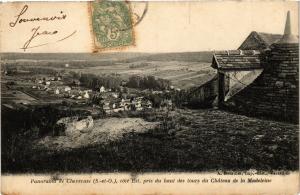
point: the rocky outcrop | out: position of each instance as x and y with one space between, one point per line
74 124
88 132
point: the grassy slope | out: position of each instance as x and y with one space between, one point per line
199 140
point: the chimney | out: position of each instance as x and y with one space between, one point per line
288 37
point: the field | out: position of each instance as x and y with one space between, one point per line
184 70
14 95
182 75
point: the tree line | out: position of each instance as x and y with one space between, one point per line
114 82
148 82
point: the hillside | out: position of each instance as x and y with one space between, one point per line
202 56
184 70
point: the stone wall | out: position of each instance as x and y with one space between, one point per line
275 93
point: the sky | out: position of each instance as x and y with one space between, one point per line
166 27
210 25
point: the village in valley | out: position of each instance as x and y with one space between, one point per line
55 88
64 88
154 112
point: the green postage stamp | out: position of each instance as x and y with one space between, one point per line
111 24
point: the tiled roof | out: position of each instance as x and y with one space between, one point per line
236 60
259 40
268 38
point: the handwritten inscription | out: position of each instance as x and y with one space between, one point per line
23 11
35 34
37 31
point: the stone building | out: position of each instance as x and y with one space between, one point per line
236 70
266 81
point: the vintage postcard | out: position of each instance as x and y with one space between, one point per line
122 97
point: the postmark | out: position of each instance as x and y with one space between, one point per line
112 24
138 10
